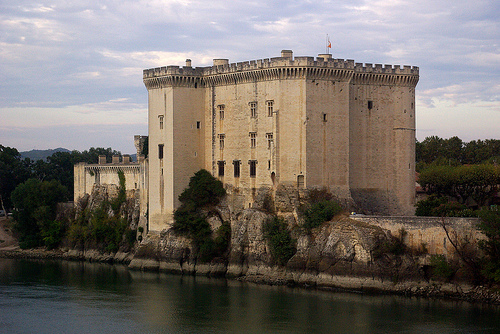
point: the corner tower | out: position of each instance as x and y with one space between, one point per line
176 145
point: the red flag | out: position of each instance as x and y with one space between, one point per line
329 44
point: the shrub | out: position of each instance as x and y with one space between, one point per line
189 219
440 206
320 212
281 244
490 226
452 209
441 268
100 229
425 207
203 189
122 195
392 245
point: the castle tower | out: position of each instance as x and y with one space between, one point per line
295 121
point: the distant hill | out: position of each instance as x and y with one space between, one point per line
41 154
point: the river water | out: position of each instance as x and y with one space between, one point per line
81 297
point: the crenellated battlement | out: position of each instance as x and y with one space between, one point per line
284 67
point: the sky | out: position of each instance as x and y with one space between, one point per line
71 71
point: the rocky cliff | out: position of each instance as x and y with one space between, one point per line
339 253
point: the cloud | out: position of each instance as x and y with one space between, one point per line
83 58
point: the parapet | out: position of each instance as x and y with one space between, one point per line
385 69
242 71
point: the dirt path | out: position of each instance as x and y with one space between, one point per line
7 240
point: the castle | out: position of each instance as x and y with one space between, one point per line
301 122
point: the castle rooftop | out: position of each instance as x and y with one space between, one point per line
323 61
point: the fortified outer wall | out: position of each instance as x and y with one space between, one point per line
428 231
88 175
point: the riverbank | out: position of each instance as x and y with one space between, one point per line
280 276
249 261
70 255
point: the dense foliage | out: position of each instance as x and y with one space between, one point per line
190 219
281 244
103 227
460 176
203 190
477 182
490 226
13 171
35 215
36 187
453 151
59 166
320 208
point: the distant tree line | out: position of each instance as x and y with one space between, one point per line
454 152
15 170
459 177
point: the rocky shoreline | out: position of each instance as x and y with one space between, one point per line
70 255
276 276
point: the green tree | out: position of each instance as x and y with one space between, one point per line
490 226
13 171
281 244
478 182
191 220
35 205
91 156
203 190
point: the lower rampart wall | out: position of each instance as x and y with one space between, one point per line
428 232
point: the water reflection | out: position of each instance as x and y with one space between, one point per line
81 297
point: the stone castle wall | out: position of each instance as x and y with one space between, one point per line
428 232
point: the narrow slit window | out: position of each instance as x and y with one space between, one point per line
160 151
253 109
236 164
221 108
269 137
270 108
198 125
324 117
222 138
253 168
300 181
253 139
221 164
160 118
370 105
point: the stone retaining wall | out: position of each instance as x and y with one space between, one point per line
428 232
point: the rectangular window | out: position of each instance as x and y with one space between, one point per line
221 108
221 141
160 117
370 105
160 151
198 125
253 168
253 139
236 164
269 137
270 108
221 164
253 109
324 117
